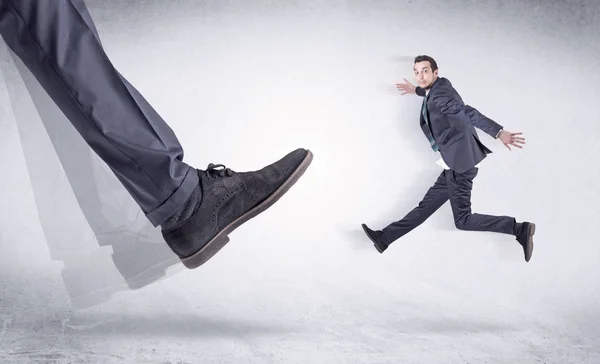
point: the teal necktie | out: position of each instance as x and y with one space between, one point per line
426 117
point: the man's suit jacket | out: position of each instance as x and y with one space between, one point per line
452 125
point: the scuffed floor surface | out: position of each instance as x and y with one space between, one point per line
300 318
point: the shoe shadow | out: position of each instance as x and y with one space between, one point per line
355 236
177 325
446 326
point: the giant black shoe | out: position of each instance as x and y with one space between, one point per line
228 200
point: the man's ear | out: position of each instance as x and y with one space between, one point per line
435 73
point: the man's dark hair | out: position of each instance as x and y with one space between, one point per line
432 61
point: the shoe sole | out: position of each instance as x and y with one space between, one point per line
221 239
529 248
364 227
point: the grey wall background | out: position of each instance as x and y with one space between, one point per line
242 83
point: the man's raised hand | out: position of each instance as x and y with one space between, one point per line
406 87
507 138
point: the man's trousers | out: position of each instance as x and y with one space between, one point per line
58 43
455 187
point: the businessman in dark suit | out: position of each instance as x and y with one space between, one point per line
449 125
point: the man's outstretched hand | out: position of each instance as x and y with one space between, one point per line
507 138
406 88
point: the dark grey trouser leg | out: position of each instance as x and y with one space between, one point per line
460 186
60 49
435 197
109 209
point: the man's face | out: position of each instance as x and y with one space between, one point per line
424 75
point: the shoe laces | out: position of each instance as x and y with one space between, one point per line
213 171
